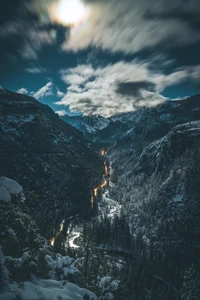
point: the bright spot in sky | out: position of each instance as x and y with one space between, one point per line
71 12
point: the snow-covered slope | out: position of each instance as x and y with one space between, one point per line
159 194
87 124
151 123
9 187
161 152
29 267
40 289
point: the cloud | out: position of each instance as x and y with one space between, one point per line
61 113
33 41
130 26
81 75
60 94
191 17
34 70
120 87
127 26
134 88
28 30
22 91
45 91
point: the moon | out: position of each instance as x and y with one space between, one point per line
71 12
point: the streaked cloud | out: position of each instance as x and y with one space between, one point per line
130 26
34 70
126 26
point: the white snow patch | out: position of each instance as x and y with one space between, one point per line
108 206
90 129
48 290
4 194
10 185
19 119
165 117
72 239
177 198
7 296
64 263
106 284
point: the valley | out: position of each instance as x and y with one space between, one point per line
110 212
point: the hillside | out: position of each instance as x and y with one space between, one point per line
50 158
29 265
160 201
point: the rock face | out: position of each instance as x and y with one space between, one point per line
162 152
50 158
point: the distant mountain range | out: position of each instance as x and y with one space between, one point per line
153 122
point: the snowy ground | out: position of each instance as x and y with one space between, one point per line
109 207
47 290
106 207
74 232
75 235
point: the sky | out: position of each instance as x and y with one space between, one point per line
101 57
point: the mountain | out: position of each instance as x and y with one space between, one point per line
50 158
147 123
87 124
124 225
160 200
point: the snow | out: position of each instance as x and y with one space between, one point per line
177 198
64 263
19 261
108 206
90 129
72 239
2 91
106 283
42 289
47 289
4 195
11 232
7 296
20 118
165 117
10 185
